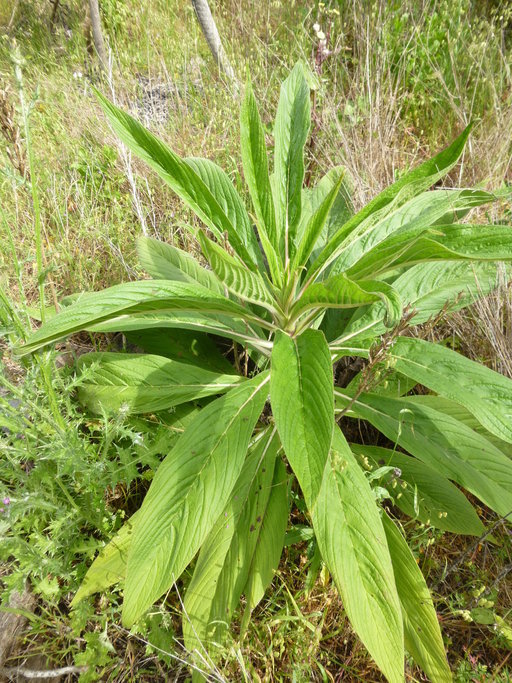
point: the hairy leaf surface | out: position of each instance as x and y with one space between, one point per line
485 393
165 262
189 492
301 393
237 278
422 634
145 383
353 544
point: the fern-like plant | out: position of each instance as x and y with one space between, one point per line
300 283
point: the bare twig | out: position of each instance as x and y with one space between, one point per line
97 34
10 131
455 565
14 672
209 29
377 355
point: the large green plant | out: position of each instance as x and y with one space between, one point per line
311 284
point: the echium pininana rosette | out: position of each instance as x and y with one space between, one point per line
297 282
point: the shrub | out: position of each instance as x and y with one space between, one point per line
312 285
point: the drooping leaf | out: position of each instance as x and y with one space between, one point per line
180 175
145 383
132 298
244 332
188 493
223 565
459 412
301 393
353 545
427 494
165 262
237 278
485 393
422 634
443 443
442 243
293 119
340 291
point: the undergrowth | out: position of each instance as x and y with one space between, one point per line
394 82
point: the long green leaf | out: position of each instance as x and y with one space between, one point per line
459 412
427 494
221 187
422 634
145 383
442 243
315 226
440 441
255 163
340 291
132 298
341 210
270 541
237 278
301 393
165 262
409 185
222 568
427 289
109 567
188 493
293 119
243 332
416 215
180 175
485 393
353 544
